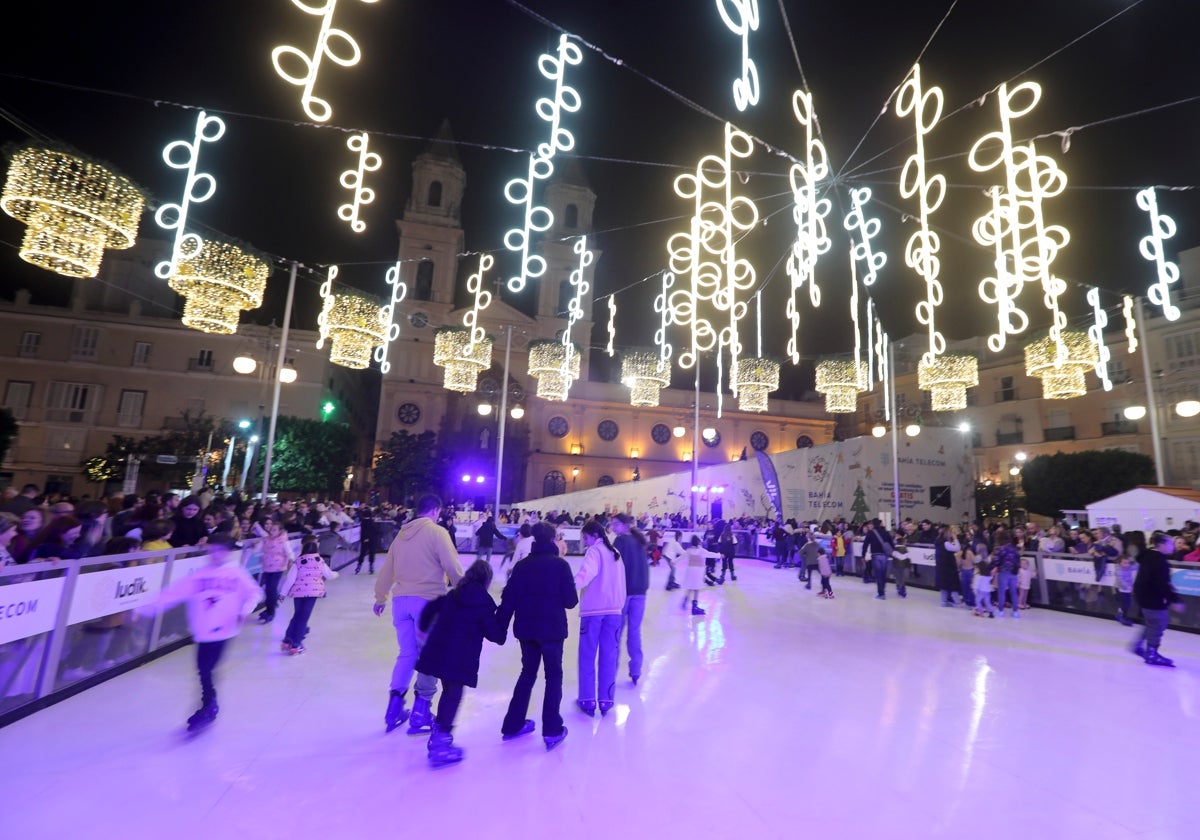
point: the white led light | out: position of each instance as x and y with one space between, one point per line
868 229
809 214
741 16
921 253
334 44
1161 228
352 179
1131 338
198 188
1096 334
1025 245
578 281
566 98
326 292
482 300
399 290
612 323
665 350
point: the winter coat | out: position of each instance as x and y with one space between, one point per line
945 573
457 624
1152 588
276 553
539 593
306 578
486 533
637 564
187 531
418 563
601 582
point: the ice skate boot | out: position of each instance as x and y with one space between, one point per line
1153 657
202 717
588 707
696 610
441 749
396 714
553 741
421 719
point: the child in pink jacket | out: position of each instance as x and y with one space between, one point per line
304 584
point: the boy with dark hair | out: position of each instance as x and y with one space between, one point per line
1155 595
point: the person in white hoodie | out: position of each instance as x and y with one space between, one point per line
219 596
601 584
418 564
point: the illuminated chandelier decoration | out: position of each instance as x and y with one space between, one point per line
1062 375
1161 228
868 229
809 212
199 187
335 44
460 358
840 380
482 298
757 377
541 166
399 290
578 281
947 378
1096 334
645 374
220 281
353 324
1131 340
352 179
554 368
1025 246
742 19
72 208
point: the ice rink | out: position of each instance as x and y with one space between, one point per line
778 714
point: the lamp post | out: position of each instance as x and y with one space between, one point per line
278 378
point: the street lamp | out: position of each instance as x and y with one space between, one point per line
574 477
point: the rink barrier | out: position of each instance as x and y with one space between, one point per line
68 625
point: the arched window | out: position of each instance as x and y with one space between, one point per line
571 216
434 198
424 290
554 484
605 480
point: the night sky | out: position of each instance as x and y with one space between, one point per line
120 81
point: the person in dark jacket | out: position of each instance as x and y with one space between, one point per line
368 540
1155 594
539 593
457 624
189 524
485 536
630 543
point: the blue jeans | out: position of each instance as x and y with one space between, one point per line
599 633
968 585
297 628
631 615
879 565
1156 623
406 614
1007 585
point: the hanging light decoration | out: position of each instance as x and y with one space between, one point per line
218 282
335 44
1061 365
757 377
73 209
461 358
646 374
1162 227
840 380
947 379
355 325
742 19
809 212
554 369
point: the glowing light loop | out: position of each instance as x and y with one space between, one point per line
1131 338
199 187
335 44
1161 228
809 214
399 291
481 301
1096 333
741 16
868 229
352 179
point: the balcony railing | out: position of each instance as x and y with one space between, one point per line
70 415
129 421
1059 433
1119 427
201 365
1009 438
1006 395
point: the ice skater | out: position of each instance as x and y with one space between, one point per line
457 624
825 570
304 584
219 596
601 584
984 581
672 550
696 559
1155 594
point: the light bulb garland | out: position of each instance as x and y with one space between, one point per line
460 358
1161 228
399 290
199 187
354 325
1131 339
555 367
521 191
757 377
218 282
335 44
809 214
481 299
840 380
741 16
645 374
1096 333
868 229
72 208
947 378
352 179
1061 364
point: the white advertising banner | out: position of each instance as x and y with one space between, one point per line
850 479
114 590
1076 571
30 608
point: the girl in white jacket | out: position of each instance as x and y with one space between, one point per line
601 585
219 597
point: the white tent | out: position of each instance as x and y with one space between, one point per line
1147 508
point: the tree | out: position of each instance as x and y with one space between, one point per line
9 429
309 456
1071 481
994 501
187 444
859 506
408 464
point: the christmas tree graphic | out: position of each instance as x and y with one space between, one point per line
860 506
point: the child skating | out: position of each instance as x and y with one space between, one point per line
304 584
698 561
825 570
985 572
219 597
